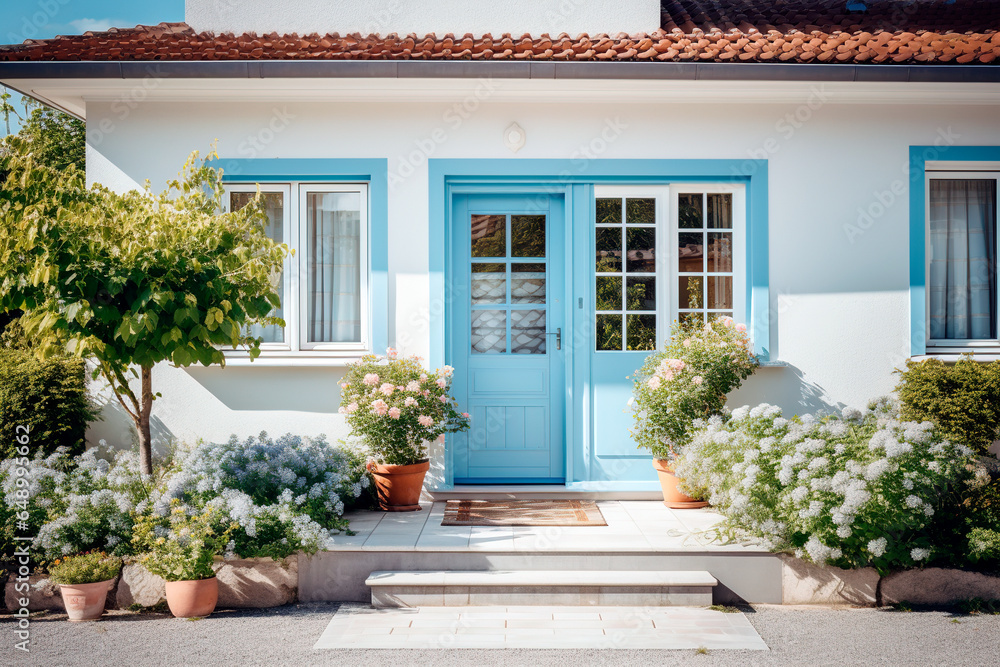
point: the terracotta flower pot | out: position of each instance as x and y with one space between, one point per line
399 486
190 599
673 497
85 602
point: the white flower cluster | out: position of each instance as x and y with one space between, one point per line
831 489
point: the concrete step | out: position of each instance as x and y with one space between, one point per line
541 587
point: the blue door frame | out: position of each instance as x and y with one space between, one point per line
587 466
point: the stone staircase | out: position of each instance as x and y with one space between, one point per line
417 588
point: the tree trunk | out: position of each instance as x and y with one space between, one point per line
146 406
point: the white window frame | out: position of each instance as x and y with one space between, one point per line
667 228
295 275
948 171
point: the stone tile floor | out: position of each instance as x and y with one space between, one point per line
633 525
359 626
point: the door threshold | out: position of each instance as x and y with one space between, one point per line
577 491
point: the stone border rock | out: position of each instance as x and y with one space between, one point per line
803 582
935 585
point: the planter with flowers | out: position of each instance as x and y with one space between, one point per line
686 381
84 582
396 407
181 548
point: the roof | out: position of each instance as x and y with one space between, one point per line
914 32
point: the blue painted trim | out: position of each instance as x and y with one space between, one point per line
918 159
533 481
374 172
446 174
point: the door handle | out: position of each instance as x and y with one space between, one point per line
558 334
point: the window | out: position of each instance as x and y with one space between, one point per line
664 253
962 258
324 286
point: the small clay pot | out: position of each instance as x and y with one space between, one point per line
85 602
192 599
673 497
399 486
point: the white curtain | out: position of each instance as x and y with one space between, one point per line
963 298
334 266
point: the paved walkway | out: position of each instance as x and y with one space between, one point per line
358 626
633 525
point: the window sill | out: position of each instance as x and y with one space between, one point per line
984 355
297 359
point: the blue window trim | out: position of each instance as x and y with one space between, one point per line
919 157
554 175
375 172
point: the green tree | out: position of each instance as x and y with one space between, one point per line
131 280
56 139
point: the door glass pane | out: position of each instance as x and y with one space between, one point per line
640 211
609 211
689 292
527 331
527 235
720 292
489 236
609 293
689 211
641 243
527 283
333 260
720 211
641 293
274 207
690 253
720 252
489 283
609 250
691 318
641 332
489 331
608 332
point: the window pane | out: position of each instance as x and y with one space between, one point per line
689 292
641 293
609 250
641 243
274 206
720 252
489 236
640 211
527 235
608 332
333 232
689 211
527 331
489 331
691 318
689 253
720 292
609 211
963 262
489 283
720 211
609 293
641 332
527 283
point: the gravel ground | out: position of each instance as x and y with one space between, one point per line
285 636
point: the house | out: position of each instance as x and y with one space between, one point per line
532 192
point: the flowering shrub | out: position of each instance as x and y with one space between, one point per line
688 380
984 545
86 568
852 491
396 406
182 545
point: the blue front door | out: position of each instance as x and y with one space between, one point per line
506 321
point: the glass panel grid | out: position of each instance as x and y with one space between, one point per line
274 207
704 256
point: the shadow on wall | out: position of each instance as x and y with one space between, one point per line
786 387
115 427
269 388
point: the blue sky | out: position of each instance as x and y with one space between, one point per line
40 19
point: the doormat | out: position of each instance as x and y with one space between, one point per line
522 513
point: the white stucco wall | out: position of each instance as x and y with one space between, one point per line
535 17
839 289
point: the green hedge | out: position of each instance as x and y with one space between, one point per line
50 397
963 399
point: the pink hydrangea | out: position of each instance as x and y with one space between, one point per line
394 413
465 414
380 407
343 385
687 342
423 377
391 353
697 379
410 402
727 321
387 388
447 371
352 407
741 328
413 385
371 379
654 382
441 382
425 421
443 399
